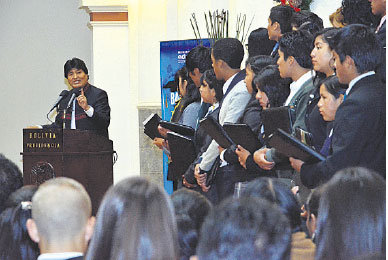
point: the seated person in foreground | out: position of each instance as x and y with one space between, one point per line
245 228
61 221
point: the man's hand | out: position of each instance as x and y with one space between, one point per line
83 101
260 159
296 164
242 154
163 131
201 178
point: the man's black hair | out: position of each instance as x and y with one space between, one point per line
360 43
230 50
259 43
198 57
358 12
282 15
245 228
75 63
305 16
299 45
10 179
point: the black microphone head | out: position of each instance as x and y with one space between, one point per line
64 93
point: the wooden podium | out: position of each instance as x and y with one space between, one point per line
78 154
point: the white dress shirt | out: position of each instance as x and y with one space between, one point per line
296 85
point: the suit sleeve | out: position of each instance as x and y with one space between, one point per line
235 108
101 113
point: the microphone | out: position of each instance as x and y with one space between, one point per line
75 94
63 94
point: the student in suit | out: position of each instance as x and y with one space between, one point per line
279 23
379 9
359 126
294 62
227 55
61 220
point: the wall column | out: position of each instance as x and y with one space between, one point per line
110 68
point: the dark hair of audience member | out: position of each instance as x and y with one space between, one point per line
210 77
192 93
198 57
191 208
358 12
15 243
245 228
75 63
311 27
311 207
334 87
351 219
259 43
230 50
304 17
10 179
276 88
258 62
279 194
135 221
282 15
298 44
366 53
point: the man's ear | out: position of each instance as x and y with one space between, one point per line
89 228
32 230
313 221
290 60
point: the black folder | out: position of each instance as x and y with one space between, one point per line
182 151
243 135
289 146
274 118
215 130
151 126
177 128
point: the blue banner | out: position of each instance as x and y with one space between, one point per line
172 58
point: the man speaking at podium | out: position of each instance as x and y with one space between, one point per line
85 106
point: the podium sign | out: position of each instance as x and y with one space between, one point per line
78 154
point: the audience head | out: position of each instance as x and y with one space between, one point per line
277 193
311 207
337 19
191 208
353 59
181 79
197 62
272 90
279 21
332 95
227 54
211 88
61 216
351 219
306 20
259 43
75 63
322 55
253 66
378 7
294 52
135 221
245 228
10 179
358 12
15 242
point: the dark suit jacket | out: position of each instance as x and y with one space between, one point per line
381 68
358 134
99 122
